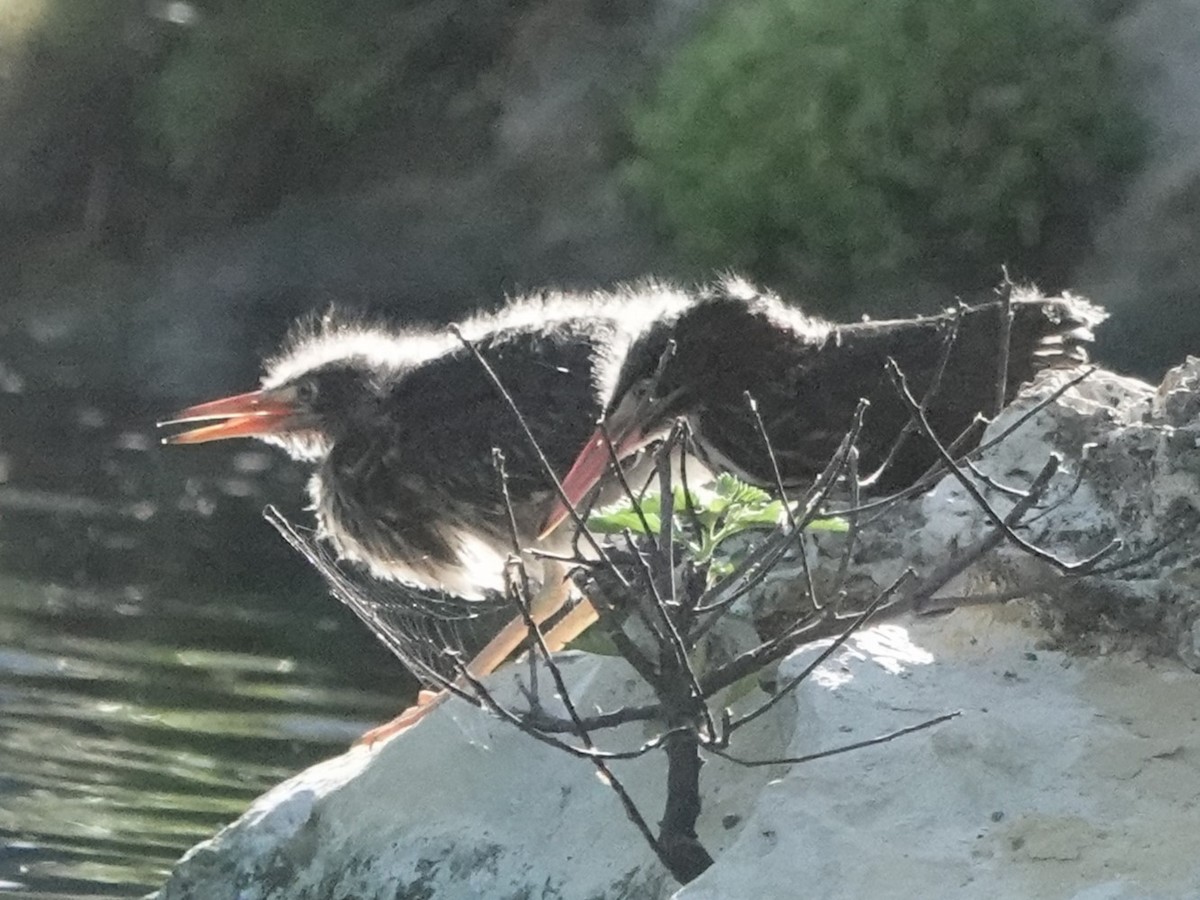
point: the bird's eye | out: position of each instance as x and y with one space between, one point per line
306 392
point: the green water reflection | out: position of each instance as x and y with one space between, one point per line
116 756
164 657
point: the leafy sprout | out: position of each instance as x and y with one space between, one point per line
704 518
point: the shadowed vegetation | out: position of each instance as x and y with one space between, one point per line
853 147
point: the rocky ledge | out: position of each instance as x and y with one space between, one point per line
1073 770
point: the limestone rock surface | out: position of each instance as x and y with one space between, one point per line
1072 773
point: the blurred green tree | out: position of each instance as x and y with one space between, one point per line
119 114
72 76
847 146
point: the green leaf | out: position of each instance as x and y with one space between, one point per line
681 499
720 570
726 508
615 521
835 524
594 640
651 504
766 514
737 491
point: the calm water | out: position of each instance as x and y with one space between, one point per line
163 658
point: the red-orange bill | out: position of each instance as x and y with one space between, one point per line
590 466
244 415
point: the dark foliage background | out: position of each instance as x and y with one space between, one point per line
199 172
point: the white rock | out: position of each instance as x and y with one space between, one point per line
466 806
1065 778
1062 778
1130 471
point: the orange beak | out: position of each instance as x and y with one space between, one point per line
590 467
245 415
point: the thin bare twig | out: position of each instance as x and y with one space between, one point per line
615 462
543 721
910 427
757 564
1006 323
991 483
766 440
589 753
961 561
521 591
1188 519
597 758
652 613
845 748
350 594
688 500
666 517
1066 495
946 603
680 647
1033 411
937 470
861 619
610 616
787 507
669 639
980 500
852 529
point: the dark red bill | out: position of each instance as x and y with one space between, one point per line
590 467
244 415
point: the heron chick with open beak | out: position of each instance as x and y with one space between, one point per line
400 426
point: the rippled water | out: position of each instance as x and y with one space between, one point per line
163 658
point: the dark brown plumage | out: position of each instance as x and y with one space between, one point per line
400 427
409 488
807 376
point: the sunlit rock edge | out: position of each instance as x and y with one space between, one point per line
1073 771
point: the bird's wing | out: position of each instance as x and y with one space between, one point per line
422 476
807 390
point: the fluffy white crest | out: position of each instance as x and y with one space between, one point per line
314 343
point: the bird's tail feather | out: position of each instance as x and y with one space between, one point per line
1056 330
